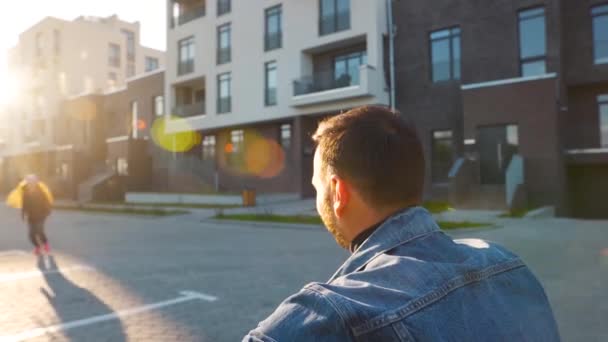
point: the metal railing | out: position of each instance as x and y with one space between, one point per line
273 41
224 105
224 55
185 67
189 14
187 110
334 22
223 6
322 81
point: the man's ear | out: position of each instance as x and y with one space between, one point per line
341 195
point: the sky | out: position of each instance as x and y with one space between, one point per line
20 15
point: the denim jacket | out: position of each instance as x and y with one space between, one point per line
411 282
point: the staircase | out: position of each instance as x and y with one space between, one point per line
86 189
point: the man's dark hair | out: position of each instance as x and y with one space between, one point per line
378 151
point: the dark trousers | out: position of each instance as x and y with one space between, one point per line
37 235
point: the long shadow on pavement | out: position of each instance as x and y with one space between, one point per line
72 303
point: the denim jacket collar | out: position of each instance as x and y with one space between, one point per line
396 230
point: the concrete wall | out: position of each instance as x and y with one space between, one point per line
294 59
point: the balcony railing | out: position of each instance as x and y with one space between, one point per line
224 105
334 22
185 67
189 14
224 55
273 41
188 110
323 81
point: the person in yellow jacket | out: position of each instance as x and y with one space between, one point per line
35 200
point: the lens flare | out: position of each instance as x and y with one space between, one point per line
182 140
261 157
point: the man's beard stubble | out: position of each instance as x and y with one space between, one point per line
329 219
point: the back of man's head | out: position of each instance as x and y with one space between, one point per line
378 151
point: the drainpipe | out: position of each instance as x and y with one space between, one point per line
391 48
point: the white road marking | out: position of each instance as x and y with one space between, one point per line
13 252
186 296
10 277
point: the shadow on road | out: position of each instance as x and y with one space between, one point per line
72 303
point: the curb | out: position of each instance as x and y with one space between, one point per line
273 225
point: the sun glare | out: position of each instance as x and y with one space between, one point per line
10 85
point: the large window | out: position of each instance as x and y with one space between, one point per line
224 99
114 55
112 79
600 34
270 86
159 105
603 109
186 56
442 156
445 54
532 42
346 68
223 44
334 16
273 28
286 136
209 147
57 42
151 63
130 69
223 7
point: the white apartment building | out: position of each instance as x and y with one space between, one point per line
274 67
58 59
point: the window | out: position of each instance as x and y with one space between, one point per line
273 28
122 167
209 147
236 148
130 41
532 42
223 44
159 105
603 110
151 64
186 56
442 155
270 86
346 68
445 54
57 42
334 16
286 136
130 69
134 120
114 55
223 7
600 34
224 101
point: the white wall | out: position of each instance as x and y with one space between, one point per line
300 33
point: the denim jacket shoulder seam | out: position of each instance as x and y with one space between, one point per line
334 306
435 295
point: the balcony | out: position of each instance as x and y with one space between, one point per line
185 67
224 55
187 11
188 110
273 41
325 87
334 22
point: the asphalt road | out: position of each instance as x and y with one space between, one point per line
127 278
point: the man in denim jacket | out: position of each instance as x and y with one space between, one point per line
406 280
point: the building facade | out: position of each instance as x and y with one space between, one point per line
509 98
254 77
57 59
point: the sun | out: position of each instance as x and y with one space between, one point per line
10 86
